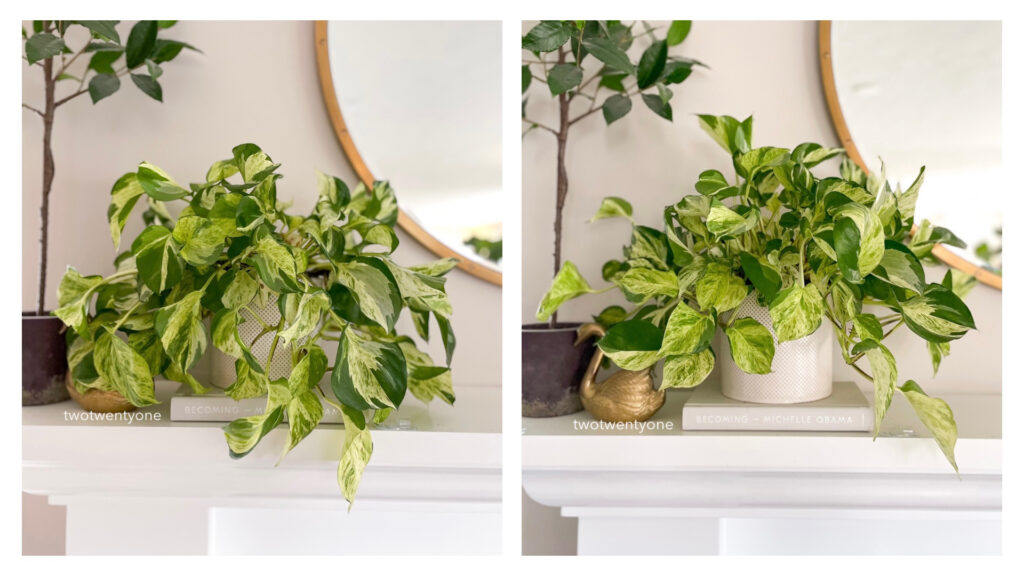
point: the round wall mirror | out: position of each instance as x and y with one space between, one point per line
419 104
916 94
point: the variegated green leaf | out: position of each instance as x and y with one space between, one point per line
437 267
221 169
613 207
938 351
632 345
687 332
938 315
181 330
240 291
244 433
687 370
249 383
175 374
312 306
722 221
368 374
428 290
124 369
859 241
276 265
796 312
73 298
868 327
720 289
375 294
156 257
426 381
937 416
907 201
568 284
901 269
355 454
883 373
158 185
751 345
648 283
123 197
147 344
201 242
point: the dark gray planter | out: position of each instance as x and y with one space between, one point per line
552 369
44 360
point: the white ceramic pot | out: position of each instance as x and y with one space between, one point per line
223 366
801 370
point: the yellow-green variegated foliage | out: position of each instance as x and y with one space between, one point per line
819 251
192 281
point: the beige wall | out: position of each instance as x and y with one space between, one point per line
255 82
768 69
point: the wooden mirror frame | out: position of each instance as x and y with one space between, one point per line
828 82
348 145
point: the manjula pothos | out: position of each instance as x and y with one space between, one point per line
232 248
840 249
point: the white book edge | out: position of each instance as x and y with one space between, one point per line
778 418
225 409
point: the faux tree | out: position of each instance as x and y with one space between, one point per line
234 249
139 57
836 250
557 57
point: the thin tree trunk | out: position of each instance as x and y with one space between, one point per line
562 187
48 172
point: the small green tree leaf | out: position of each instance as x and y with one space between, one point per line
102 29
42 46
547 36
652 63
141 41
937 416
751 345
103 85
102 62
564 77
678 31
615 107
796 312
149 86
687 370
608 52
658 105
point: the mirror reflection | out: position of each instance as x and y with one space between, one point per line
422 102
929 93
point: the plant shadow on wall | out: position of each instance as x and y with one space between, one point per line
557 55
139 57
815 251
231 252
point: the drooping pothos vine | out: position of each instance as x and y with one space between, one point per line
839 249
185 282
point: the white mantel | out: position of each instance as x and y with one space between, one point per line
674 492
162 487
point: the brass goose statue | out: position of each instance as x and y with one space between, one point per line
626 396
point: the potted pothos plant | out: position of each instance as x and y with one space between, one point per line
839 253
234 248
584 65
139 57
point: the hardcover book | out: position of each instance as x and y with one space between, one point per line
215 406
846 410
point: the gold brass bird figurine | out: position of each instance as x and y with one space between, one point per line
626 396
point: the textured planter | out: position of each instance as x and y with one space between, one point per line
43 360
553 367
100 400
223 366
801 370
